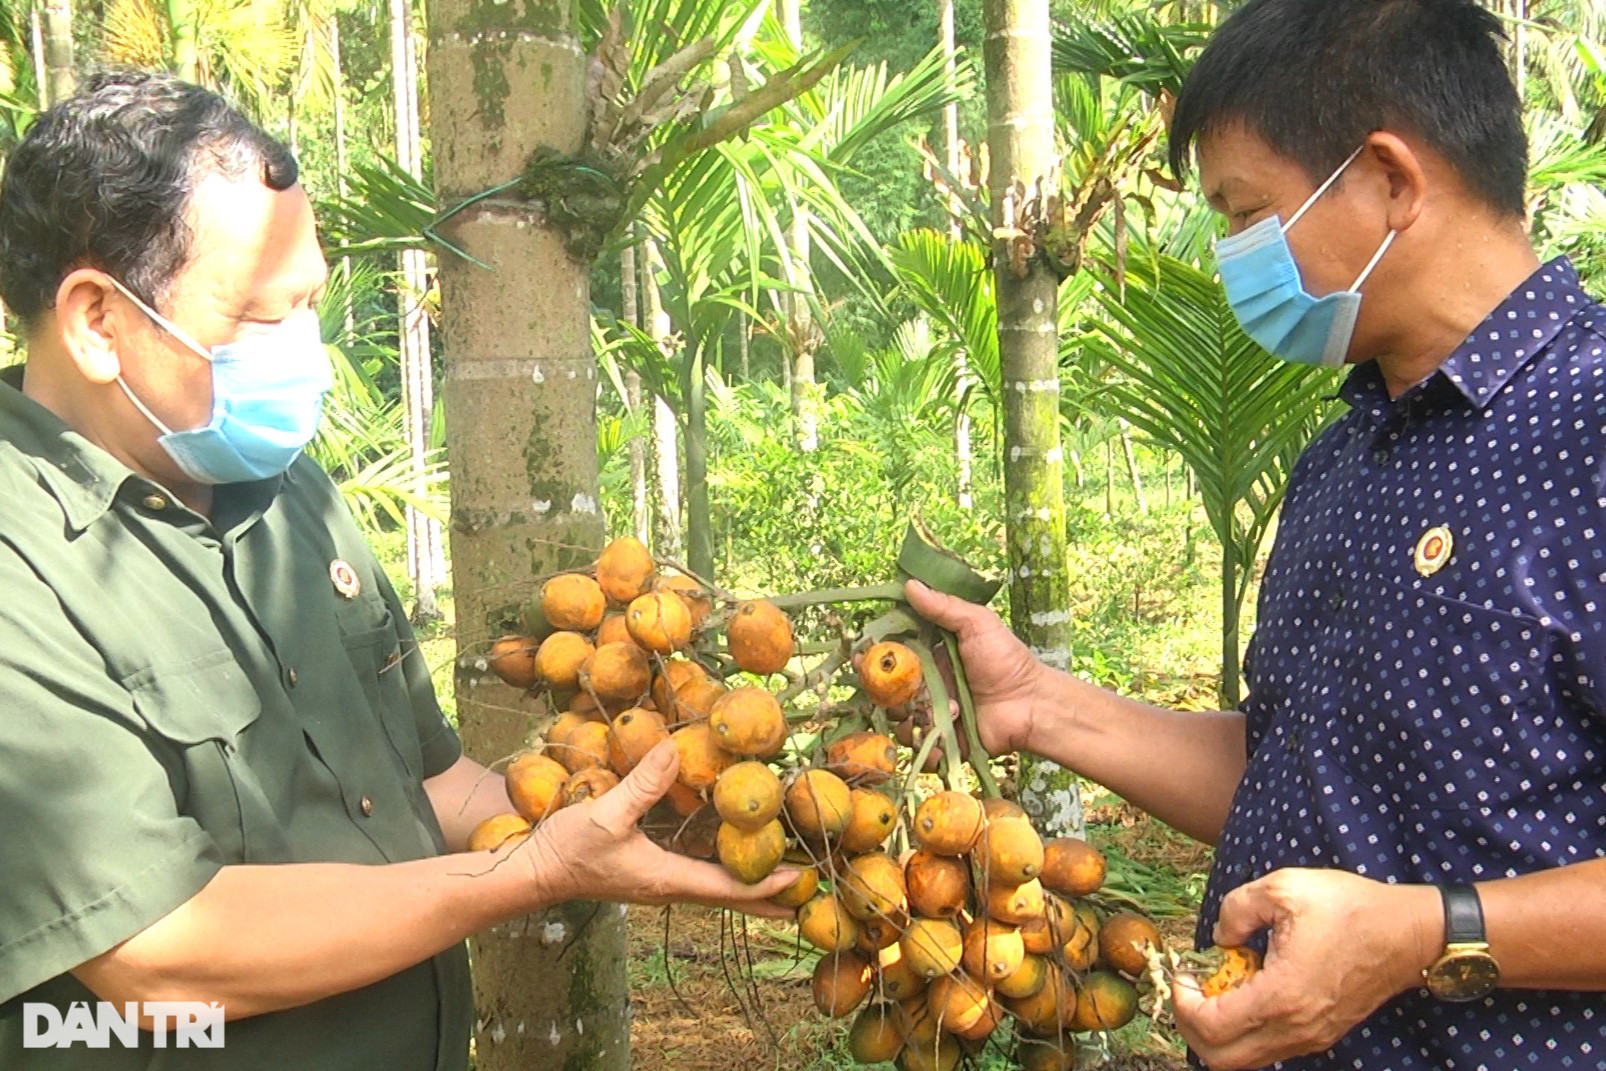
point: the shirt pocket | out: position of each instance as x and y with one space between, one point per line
202 707
1450 706
369 634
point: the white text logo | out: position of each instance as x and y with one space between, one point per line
175 1024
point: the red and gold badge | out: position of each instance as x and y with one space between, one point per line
345 579
1433 550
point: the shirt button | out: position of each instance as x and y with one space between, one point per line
293 677
155 503
1336 601
1381 455
367 806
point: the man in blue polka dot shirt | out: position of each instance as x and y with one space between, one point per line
1410 810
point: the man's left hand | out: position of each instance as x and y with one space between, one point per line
1341 945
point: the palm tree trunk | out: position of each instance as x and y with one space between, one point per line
1021 135
1132 469
800 328
36 40
520 395
1230 668
699 518
950 149
60 76
181 31
340 156
640 507
665 425
1109 477
418 387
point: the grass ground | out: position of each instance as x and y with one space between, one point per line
1147 624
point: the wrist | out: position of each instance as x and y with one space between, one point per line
535 874
1420 909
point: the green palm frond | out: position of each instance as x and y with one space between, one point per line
951 283
362 444
853 106
1193 382
1136 48
385 209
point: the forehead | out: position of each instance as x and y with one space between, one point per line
1233 158
249 240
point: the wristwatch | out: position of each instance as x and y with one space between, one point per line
1465 971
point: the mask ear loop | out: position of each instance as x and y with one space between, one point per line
1376 257
163 322
1323 188
143 408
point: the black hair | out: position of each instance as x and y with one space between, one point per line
104 178
1314 78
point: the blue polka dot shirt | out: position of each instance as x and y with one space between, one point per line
1427 682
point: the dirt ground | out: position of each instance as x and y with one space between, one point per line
701 1008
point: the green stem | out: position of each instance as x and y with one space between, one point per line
978 756
824 671
941 717
874 593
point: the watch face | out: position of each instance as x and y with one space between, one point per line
1461 976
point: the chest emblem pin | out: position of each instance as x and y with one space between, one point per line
345 579
1433 550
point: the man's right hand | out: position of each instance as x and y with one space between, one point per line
594 851
1005 677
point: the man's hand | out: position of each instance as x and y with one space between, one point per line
593 851
1341 945
1004 675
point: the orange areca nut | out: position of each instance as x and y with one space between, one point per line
749 721
574 602
497 830
560 656
512 658
625 570
891 674
617 672
659 622
760 637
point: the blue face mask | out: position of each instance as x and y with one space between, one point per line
1267 295
267 399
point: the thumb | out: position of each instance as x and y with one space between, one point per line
951 613
1245 911
628 803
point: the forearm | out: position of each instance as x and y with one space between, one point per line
1181 767
463 797
264 938
1548 929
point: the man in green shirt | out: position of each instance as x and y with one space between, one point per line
225 775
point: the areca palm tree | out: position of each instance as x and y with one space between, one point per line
1192 381
721 225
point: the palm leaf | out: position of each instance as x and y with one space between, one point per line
1194 383
1135 48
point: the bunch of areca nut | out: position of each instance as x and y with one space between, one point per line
942 921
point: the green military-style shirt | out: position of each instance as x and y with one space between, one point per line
178 695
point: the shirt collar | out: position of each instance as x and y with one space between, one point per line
83 478
1522 327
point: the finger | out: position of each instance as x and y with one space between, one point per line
1200 1020
628 802
1245 911
711 884
954 614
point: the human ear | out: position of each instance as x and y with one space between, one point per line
91 324
1407 181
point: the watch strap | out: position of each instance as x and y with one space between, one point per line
1463 915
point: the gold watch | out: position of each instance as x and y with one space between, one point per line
1465 971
